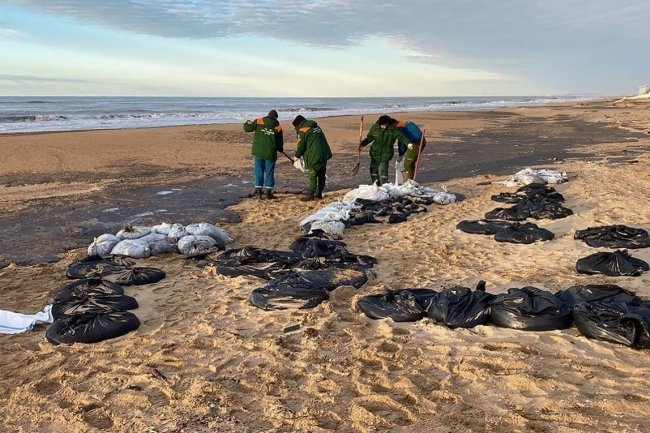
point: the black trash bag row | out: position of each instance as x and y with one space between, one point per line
600 311
91 310
504 231
305 288
455 306
532 191
537 209
614 236
257 262
316 250
615 264
119 270
392 211
301 278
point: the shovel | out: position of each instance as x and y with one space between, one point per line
355 170
288 157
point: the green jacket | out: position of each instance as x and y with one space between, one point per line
268 139
312 144
382 148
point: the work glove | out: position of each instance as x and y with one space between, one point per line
410 146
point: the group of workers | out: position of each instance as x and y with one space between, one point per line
313 148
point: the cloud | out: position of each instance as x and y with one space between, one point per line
32 79
511 37
7 32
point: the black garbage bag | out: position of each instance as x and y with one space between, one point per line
482 226
362 218
91 327
92 304
614 264
531 309
597 293
137 275
87 287
397 217
614 236
460 307
286 295
526 233
97 266
317 240
400 305
327 278
615 322
513 213
257 262
348 261
549 209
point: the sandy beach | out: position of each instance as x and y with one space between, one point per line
205 360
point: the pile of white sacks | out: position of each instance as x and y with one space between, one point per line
535 175
330 218
142 241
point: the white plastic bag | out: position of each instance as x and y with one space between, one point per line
399 168
299 163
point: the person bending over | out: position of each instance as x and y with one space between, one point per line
313 147
383 134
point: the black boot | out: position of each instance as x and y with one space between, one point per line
269 194
319 194
259 193
309 196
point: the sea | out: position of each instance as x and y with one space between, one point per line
30 114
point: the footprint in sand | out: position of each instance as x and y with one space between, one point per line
97 417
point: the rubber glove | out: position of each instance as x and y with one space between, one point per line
410 146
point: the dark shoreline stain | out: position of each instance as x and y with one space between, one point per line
52 226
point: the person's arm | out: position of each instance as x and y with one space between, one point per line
249 126
403 140
279 138
370 137
301 146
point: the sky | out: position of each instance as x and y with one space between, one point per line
324 48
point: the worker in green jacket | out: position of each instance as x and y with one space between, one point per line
382 135
268 140
315 150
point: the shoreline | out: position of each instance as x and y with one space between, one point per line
129 164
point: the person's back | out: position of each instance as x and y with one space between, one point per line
413 132
315 150
268 140
312 145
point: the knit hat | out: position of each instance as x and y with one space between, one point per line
385 120
273 114
297 120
